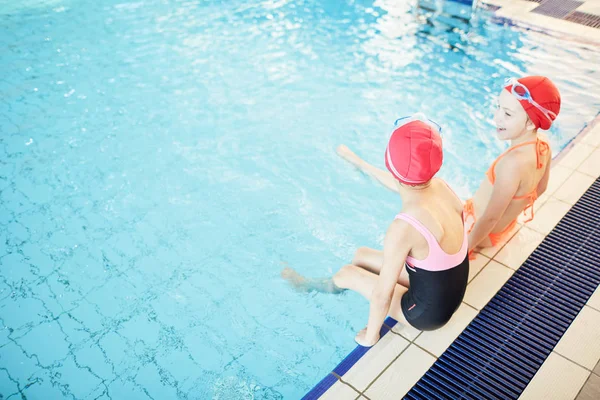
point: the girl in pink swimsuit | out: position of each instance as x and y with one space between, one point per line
421 275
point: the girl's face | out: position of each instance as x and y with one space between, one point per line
510 117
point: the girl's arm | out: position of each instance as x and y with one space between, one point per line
384 177
396 247
543 184
505 188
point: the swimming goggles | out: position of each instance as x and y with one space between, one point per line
521 92
417 117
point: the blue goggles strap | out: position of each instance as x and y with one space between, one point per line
417 117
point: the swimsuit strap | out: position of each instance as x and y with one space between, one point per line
434 246
469 212
532 198
420 227
531 195
529 207
541 149
437 259
491 171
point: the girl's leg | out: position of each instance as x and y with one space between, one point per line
369 259
302 284
365 258
362 281
372 260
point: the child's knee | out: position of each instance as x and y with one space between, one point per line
343 276
360 255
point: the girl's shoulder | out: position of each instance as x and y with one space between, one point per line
518 161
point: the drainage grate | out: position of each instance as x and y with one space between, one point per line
501 350
557 8
586 19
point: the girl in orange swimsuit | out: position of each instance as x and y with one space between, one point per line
541 148
525 105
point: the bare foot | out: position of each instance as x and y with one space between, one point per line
301 284
297 281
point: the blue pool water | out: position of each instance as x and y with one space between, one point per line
160 159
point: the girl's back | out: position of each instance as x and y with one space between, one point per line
440 211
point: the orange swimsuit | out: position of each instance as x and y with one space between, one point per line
542 149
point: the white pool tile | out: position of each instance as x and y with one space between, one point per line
591 389
590 7
477 265
581 342
510 3
406 331
576 155
340 391
548 216
592 137
558 176
436 342
594 300
536 206
486 284
516 251
375 361
514 7
574 187
557 379
591 166
401 376
553 24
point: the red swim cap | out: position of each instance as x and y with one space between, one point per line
544 93
414 153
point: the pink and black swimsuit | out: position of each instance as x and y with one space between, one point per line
437 283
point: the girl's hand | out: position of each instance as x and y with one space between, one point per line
347 154
361 339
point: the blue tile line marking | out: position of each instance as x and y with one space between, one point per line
321 387
466 2
347 363
502 349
